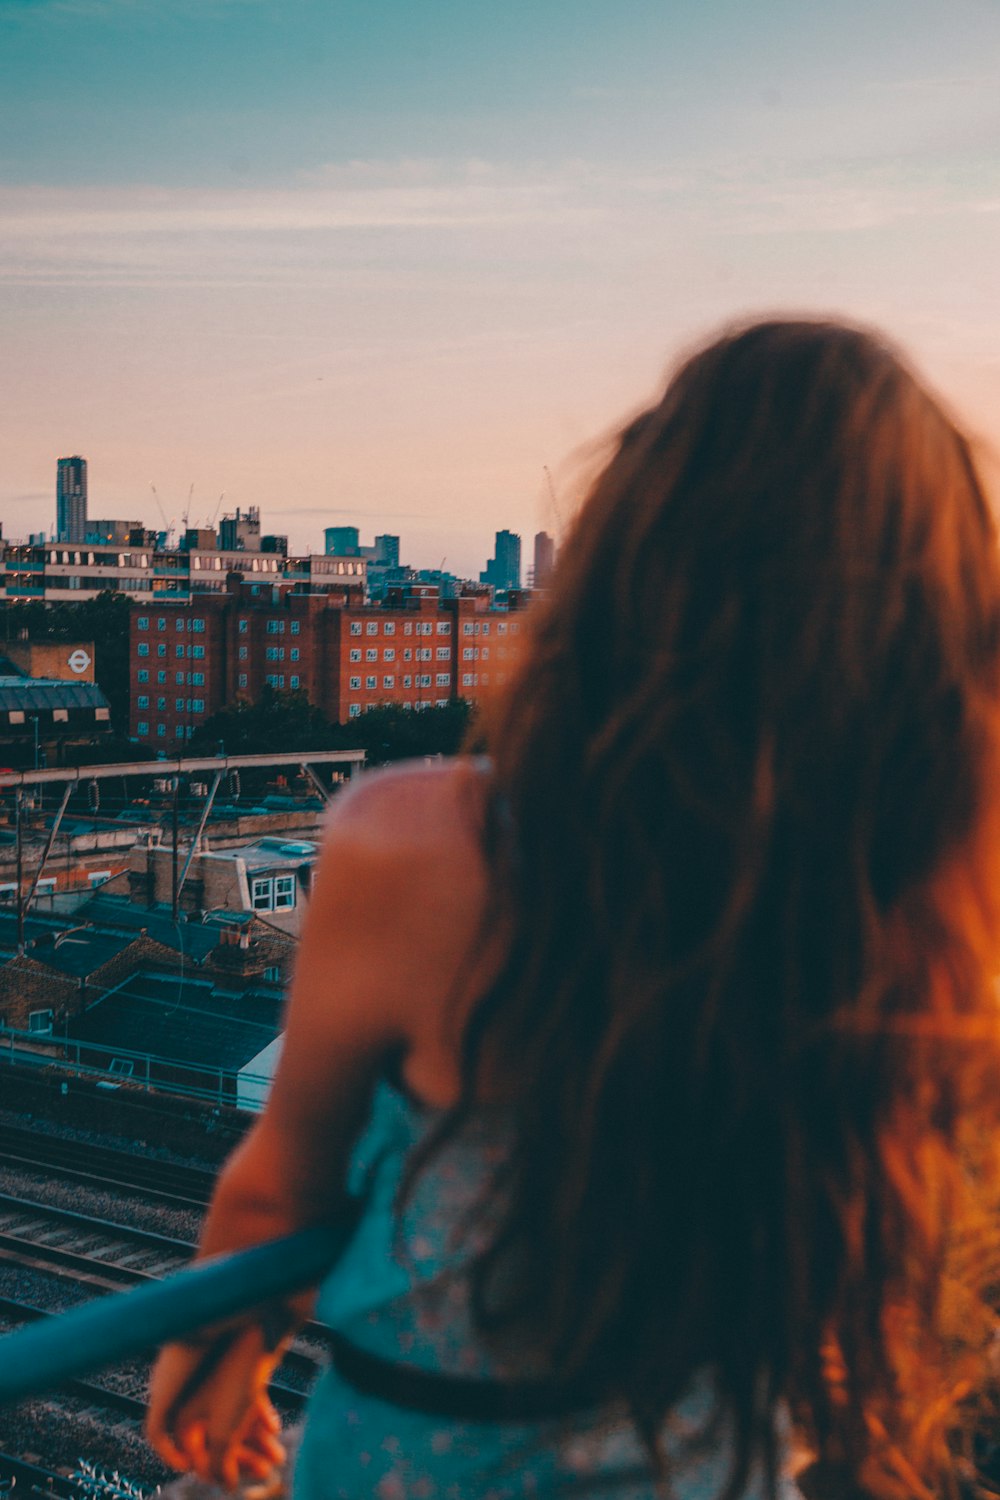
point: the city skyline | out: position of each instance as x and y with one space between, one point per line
384 271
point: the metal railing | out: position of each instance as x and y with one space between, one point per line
123 1324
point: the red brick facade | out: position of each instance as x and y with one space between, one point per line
187 660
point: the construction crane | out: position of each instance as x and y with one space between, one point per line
170 525
216 512
552 495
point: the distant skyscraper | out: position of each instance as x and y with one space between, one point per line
341 541
503 570
71 499
545 556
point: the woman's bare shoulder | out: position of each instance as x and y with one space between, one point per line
415 809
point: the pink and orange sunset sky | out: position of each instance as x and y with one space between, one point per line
378 264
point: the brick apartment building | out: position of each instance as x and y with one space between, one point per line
187 660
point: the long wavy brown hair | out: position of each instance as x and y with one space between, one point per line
745 786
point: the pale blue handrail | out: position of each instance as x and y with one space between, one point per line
111 1328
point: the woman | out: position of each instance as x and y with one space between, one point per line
672 1023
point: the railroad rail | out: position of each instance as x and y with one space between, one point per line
176 1184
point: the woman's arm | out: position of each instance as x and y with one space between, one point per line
358 970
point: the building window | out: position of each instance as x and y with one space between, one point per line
179 679
444 653
198 626
244 626
466 679
198 652
142 623
371 682
467 627
371 627
197 705
407 653
197 679
275 653
241 681
179 652
179 621
161 704
143 648
275 680
355 684
355 653
179 705
423 653
40 1020
389 627
468 653
354 710
142 727
388 682
444 679
389 654
355 627
293 683
294 653
407 627
444 627
407 682
161 649
143 674
294 627
275 627
425 627
424 680
161 677
161 730
243 653
142 701
273 973
501 627
371 654
161 623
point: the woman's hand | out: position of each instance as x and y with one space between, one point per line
209 1411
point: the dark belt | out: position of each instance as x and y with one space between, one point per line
458 1397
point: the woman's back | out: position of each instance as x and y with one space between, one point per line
715 929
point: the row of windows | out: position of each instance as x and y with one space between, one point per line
181 705
354 709
482 627
198 626
162 730
198 652
442 679
275 680
410 627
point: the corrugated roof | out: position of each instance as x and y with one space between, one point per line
178 1019
26 693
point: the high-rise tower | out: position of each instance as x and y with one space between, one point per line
71 499
545 556
503 570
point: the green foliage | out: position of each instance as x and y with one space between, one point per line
103 620
278 721
288 721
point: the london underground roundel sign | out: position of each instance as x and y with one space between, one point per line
78 660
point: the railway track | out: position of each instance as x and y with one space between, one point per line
63 1247
107 1167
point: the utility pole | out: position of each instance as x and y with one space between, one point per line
18 795
174 885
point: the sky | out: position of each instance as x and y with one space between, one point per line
407 266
